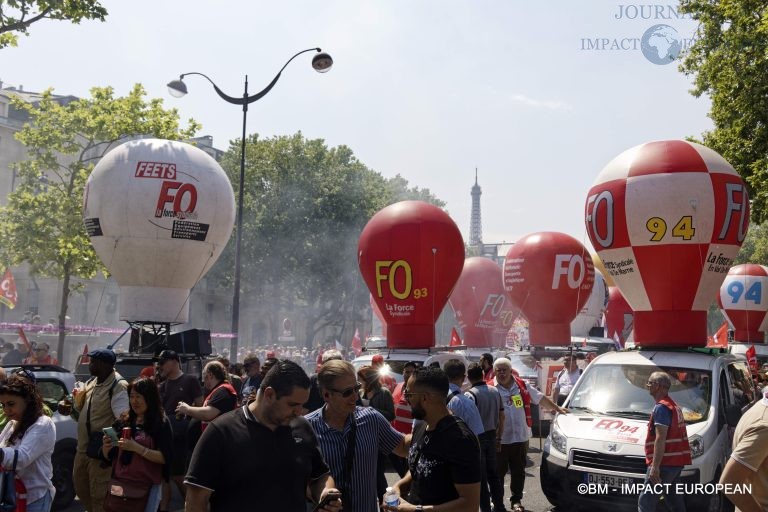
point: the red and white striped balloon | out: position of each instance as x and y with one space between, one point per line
667 219
743 299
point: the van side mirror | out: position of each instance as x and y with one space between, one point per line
732 414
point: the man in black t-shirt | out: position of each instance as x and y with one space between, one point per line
444 459
262 456
175 388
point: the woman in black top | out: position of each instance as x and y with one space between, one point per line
145 456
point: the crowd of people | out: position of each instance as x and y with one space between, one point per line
275 434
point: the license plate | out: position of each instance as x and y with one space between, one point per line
614 482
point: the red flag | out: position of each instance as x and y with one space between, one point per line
751 357
25 340
720 339
85 359
455 340
356 346
8 295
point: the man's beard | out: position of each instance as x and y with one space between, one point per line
418 413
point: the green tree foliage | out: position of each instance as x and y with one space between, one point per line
42 223
16 16
729 63
304 208
755 246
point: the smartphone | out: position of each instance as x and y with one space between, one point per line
331 496
110 432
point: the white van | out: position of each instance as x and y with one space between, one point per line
602 439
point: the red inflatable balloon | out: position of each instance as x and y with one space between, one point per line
480 305
410 254
379 315
549 277
667 218
619 317
743 302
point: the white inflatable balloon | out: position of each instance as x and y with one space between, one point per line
591 315
158 213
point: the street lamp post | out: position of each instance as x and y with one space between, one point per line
321 62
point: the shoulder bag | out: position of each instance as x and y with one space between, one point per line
8 486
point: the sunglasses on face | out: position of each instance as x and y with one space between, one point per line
346 393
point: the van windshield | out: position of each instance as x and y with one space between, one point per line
619 390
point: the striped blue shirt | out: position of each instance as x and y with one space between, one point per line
463 407
373 434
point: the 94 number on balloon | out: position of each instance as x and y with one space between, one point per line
683 229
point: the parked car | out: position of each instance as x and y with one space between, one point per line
602 438
375 343
130 365
395 359
54 383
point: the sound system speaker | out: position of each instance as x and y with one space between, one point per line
192 341
145 342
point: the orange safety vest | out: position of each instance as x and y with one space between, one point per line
403 421
677 451
225 385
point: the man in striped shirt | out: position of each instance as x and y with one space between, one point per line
403 421
350 437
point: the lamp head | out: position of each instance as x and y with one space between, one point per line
322 62
177 88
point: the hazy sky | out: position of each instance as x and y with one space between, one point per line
428 89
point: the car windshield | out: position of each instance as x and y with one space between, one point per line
620 390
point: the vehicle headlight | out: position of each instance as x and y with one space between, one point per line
697 445
557 439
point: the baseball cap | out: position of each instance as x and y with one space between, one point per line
103 354
378 358
167 355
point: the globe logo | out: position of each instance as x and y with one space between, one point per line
661 44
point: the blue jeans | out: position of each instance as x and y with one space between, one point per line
155 494
41 505
648 500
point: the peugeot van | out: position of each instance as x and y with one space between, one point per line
601 440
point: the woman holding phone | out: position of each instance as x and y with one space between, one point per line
143 452
29 438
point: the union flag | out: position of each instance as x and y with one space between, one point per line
8 295
455 339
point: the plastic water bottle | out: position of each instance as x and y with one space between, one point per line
391 499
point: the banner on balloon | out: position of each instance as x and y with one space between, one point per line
667 219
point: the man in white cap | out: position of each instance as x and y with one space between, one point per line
749 461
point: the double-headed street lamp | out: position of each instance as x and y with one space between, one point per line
321 62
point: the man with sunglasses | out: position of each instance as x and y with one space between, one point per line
350 437
666 448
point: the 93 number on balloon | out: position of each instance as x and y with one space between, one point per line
736 290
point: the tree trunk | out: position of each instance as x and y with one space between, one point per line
63 313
